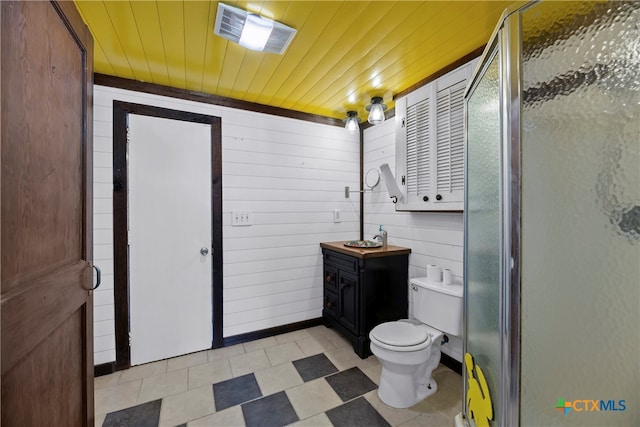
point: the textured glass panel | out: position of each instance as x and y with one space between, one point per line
580 293
483 227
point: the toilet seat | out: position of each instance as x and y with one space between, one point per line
401 336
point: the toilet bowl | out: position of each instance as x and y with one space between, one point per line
409 353
409 350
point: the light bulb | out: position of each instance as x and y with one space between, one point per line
352 125
376 114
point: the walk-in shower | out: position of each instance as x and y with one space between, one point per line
552 219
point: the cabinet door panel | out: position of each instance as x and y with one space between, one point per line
430 144
348 301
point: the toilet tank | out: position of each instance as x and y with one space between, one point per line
438 305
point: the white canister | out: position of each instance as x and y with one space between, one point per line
434 273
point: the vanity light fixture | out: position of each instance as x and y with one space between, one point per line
251 30
351 122
376 110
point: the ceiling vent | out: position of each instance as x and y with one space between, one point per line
231 22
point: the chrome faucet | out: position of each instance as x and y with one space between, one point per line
382 236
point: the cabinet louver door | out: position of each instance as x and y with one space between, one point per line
418 148
450 141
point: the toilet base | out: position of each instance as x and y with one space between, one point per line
404 385
402 392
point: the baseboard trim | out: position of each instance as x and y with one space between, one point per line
451 363
265 333
104 369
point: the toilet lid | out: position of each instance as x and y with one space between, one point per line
400 334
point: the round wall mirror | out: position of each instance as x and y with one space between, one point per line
372 178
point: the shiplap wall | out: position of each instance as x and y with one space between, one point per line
434 237
290 173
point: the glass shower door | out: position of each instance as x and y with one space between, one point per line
482 244
580 283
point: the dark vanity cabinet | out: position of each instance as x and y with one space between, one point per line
363 288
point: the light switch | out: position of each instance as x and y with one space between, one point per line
241 218
336 215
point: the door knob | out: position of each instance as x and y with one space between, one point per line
204 251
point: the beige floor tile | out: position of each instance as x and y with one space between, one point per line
429 420
315 345
249 362
371 361
282 353
394 416
231 417
339 341
109 399
180 408
371 367
313 398
163 385
187 361
343 358
444 404
324 332
320 420
448 399
144 371
225 352
99 420
278 378
107 380
259 344
209 373
319 331
292 336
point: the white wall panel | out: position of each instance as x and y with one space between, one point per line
434 237
289 173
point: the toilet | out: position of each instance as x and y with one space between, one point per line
409 350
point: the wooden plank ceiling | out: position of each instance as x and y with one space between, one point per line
344 53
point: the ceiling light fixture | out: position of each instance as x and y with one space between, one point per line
252 31
256 32
351 122
376 110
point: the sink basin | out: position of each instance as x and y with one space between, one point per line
363 244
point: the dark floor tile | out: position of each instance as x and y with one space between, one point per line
351 383
313 367
144 415
235 391
271 411
356 413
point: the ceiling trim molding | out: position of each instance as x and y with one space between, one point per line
156 89
455 64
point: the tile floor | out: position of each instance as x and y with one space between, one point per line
309 377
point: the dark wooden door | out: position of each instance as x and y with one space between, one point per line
46 211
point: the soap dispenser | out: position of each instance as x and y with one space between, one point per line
382 234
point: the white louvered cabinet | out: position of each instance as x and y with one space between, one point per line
430 144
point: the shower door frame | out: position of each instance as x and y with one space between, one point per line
507 40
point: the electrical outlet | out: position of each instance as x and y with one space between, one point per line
241 218
336 215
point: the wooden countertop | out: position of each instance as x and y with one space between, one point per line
390 250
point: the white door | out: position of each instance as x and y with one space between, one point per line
170 212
